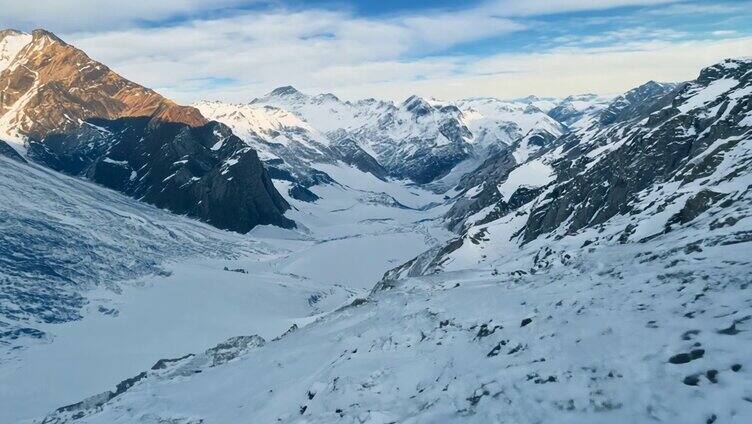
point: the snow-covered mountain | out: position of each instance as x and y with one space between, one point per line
289 146
573 109
50 86
418 139
605 280
673 155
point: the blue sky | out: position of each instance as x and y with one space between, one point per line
238 49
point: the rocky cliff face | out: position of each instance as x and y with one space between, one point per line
50 86
204 172
77 116
679 137
9 152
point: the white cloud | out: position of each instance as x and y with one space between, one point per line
557 73
307 48
511 8
89 15
702 8
67 15
245 54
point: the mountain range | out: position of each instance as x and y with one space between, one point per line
478 260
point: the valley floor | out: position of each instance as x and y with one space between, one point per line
199 297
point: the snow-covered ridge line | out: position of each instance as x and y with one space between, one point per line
421 139
11 43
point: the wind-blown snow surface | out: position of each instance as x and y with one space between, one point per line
572 335
97 287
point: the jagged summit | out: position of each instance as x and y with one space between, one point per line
9 31
49 85
631 103
417 105
732 68
43 33
284 91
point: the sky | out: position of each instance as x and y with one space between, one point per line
235 50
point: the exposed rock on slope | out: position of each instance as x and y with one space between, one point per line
8 151
660 155
204 172
574 108
287 143
50 86
79 117
677 139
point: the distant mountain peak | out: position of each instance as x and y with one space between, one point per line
50 86
39 33
284 91
417 105
328 96
9 31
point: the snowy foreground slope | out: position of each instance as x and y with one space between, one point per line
637 332
97 286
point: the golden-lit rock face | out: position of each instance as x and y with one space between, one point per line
50 86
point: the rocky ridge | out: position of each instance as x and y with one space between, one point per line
77 116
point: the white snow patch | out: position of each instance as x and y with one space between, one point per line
531 174
708 94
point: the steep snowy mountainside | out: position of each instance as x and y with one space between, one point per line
675 158
634 102
205 172
62 236
480 189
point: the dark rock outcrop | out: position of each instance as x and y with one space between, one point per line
204 172
9 152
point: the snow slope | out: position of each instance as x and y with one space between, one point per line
11 43
552 333
110 285
268 125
